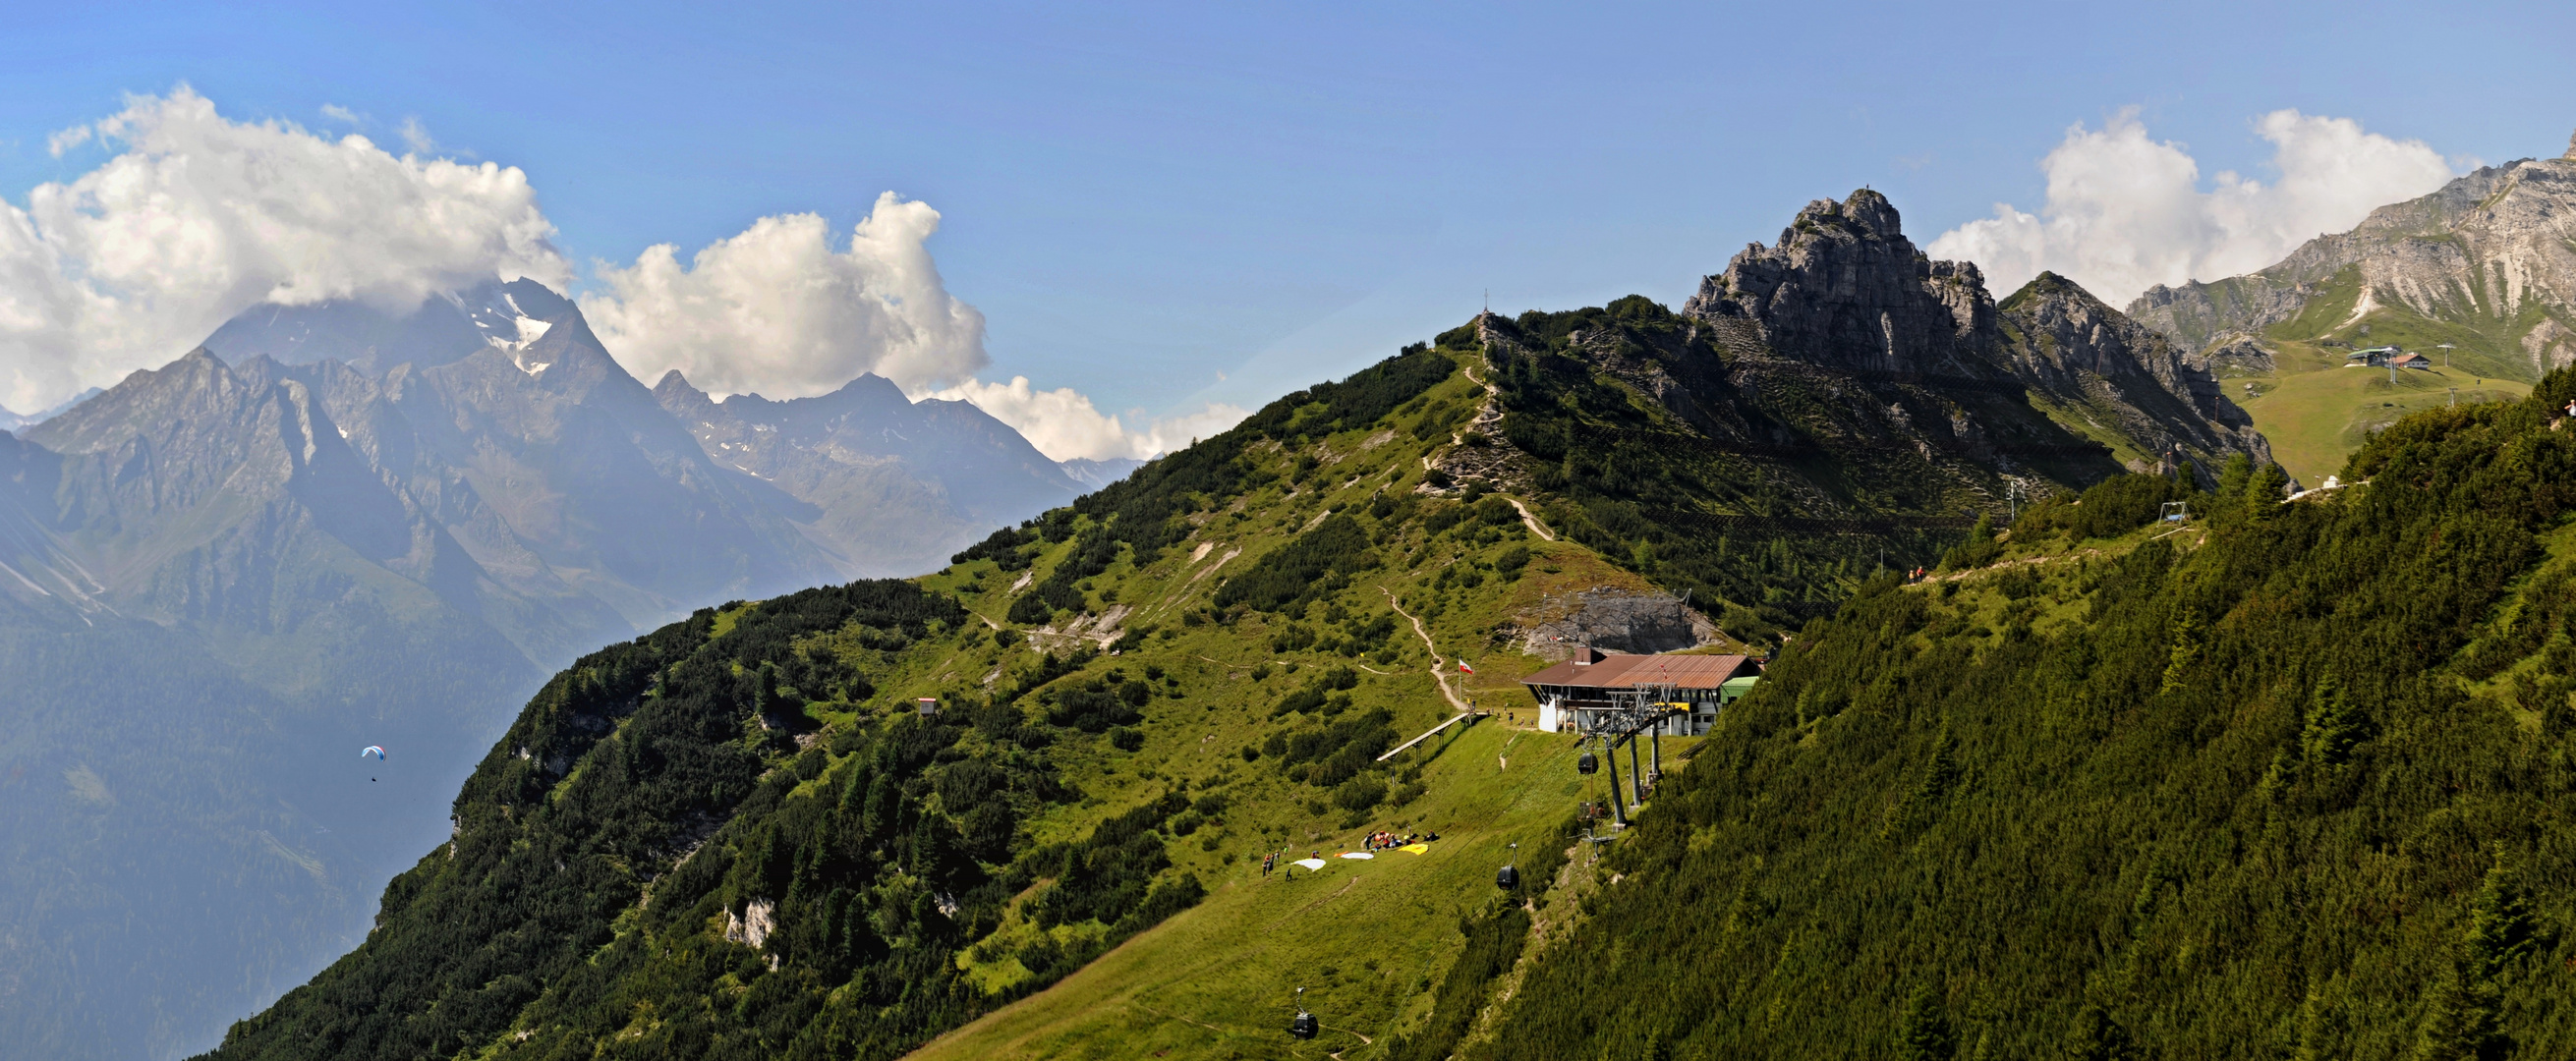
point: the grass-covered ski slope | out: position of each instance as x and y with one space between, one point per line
1370 941
2288 782
732 838
2316 411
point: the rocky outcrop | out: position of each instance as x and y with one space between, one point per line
1614 619
2071 346
1845 288
2239 352
2494 250
2195 315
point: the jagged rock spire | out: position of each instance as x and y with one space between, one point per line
1845 288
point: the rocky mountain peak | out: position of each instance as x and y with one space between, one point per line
681 397
2493 250
1845 288
146 402
2062 333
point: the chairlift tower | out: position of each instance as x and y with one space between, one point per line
1633 712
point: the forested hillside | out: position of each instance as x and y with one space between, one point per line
736 836
2284 782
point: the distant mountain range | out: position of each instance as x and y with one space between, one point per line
330 527
11 422
2493 252
2479 276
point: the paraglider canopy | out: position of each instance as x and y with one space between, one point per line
376 750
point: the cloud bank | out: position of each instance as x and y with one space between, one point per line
198 218
777 310
195 218
1062 423
780 311
2125 212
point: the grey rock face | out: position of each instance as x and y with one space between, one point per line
2495 249
2074 347
1616 620
1845 290
2239 351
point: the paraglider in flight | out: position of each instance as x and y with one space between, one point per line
376 750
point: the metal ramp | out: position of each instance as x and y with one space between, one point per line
1429 733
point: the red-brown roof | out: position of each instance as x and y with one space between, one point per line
1622 672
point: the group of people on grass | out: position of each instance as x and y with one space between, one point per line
1384 839
1381 840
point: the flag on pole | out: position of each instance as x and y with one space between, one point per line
1463 668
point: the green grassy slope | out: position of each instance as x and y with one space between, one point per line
2316 412
1189 699
1367 939
2284 783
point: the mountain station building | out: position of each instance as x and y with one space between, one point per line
1569 693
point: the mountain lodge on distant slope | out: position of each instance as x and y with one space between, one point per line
1568 691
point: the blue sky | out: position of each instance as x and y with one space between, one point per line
1166 206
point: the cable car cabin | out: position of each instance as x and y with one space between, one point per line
1587 764
1569 692
1507 878
1303 1026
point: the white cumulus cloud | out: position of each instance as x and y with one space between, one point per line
66 140
779 311
2126 212
198 217
1062 423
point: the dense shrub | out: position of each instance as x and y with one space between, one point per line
2245 802
1316 563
